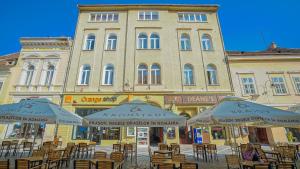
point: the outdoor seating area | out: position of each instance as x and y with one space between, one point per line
278 156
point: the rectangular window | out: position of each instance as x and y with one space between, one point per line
24 130
148 15
1 85
279 85
94 133
248 85
296 82
218 132
192 17
104 17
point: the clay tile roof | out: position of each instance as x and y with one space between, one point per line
9 59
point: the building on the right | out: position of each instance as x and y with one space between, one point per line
270 77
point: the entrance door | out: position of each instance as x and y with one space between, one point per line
156 135
258 135
185 133
142 137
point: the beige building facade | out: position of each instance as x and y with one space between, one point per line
270 77
39 73
169 55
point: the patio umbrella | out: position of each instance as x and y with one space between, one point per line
136 114
37 111
233 111
242 112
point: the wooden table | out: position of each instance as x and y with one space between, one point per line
252 163
33 160
170 161
163 152
116 164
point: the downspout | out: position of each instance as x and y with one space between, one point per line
179 58
125 51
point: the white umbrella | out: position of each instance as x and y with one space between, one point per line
37 111
243 112
136 114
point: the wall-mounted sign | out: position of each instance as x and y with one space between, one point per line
192 99
95 99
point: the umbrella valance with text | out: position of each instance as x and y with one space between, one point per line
135 113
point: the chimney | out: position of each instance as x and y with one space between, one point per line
273 45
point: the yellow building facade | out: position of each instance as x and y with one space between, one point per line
171 56
270 77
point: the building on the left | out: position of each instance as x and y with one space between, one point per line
39 73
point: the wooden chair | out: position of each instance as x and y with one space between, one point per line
105 165
261 166
25 164
157 159
200 151
82 149
117 147
162 146
14 147
82 164
54 159
178 158
212 151
165 166
4 164
5 148
91 148
188 166
27 146
38 153
100 154
117 157
233 162
67 155
70 144
128 149
194 149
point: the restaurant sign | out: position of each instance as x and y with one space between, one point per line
193 99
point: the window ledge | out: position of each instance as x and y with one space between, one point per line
86 50
108 85
110 50
281 94
192 21
189 85
182 50
148 20
214 84
148 49
211 50
82 85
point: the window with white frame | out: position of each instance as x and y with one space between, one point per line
108 76
84 75
111 43
188 75
279 85
142 74
142 41
206 42
49 75
1 85
297 84
155 74
192 17
212 74
29 75
248 85
104 17
148 15
89 42
185 42
154 41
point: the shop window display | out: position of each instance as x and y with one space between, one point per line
94 133
218 133
25 130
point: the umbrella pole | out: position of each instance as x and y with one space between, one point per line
136 140
233 135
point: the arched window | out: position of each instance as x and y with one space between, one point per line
84 75
49 75
29 75
154 40
142 41
188 74
89 42
206 42
108 76
155 74
212 74
142 74
185 42
111 42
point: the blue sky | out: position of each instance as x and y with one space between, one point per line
246 24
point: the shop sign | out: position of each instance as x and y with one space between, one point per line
93 99
192 99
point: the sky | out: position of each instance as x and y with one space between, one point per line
247 25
